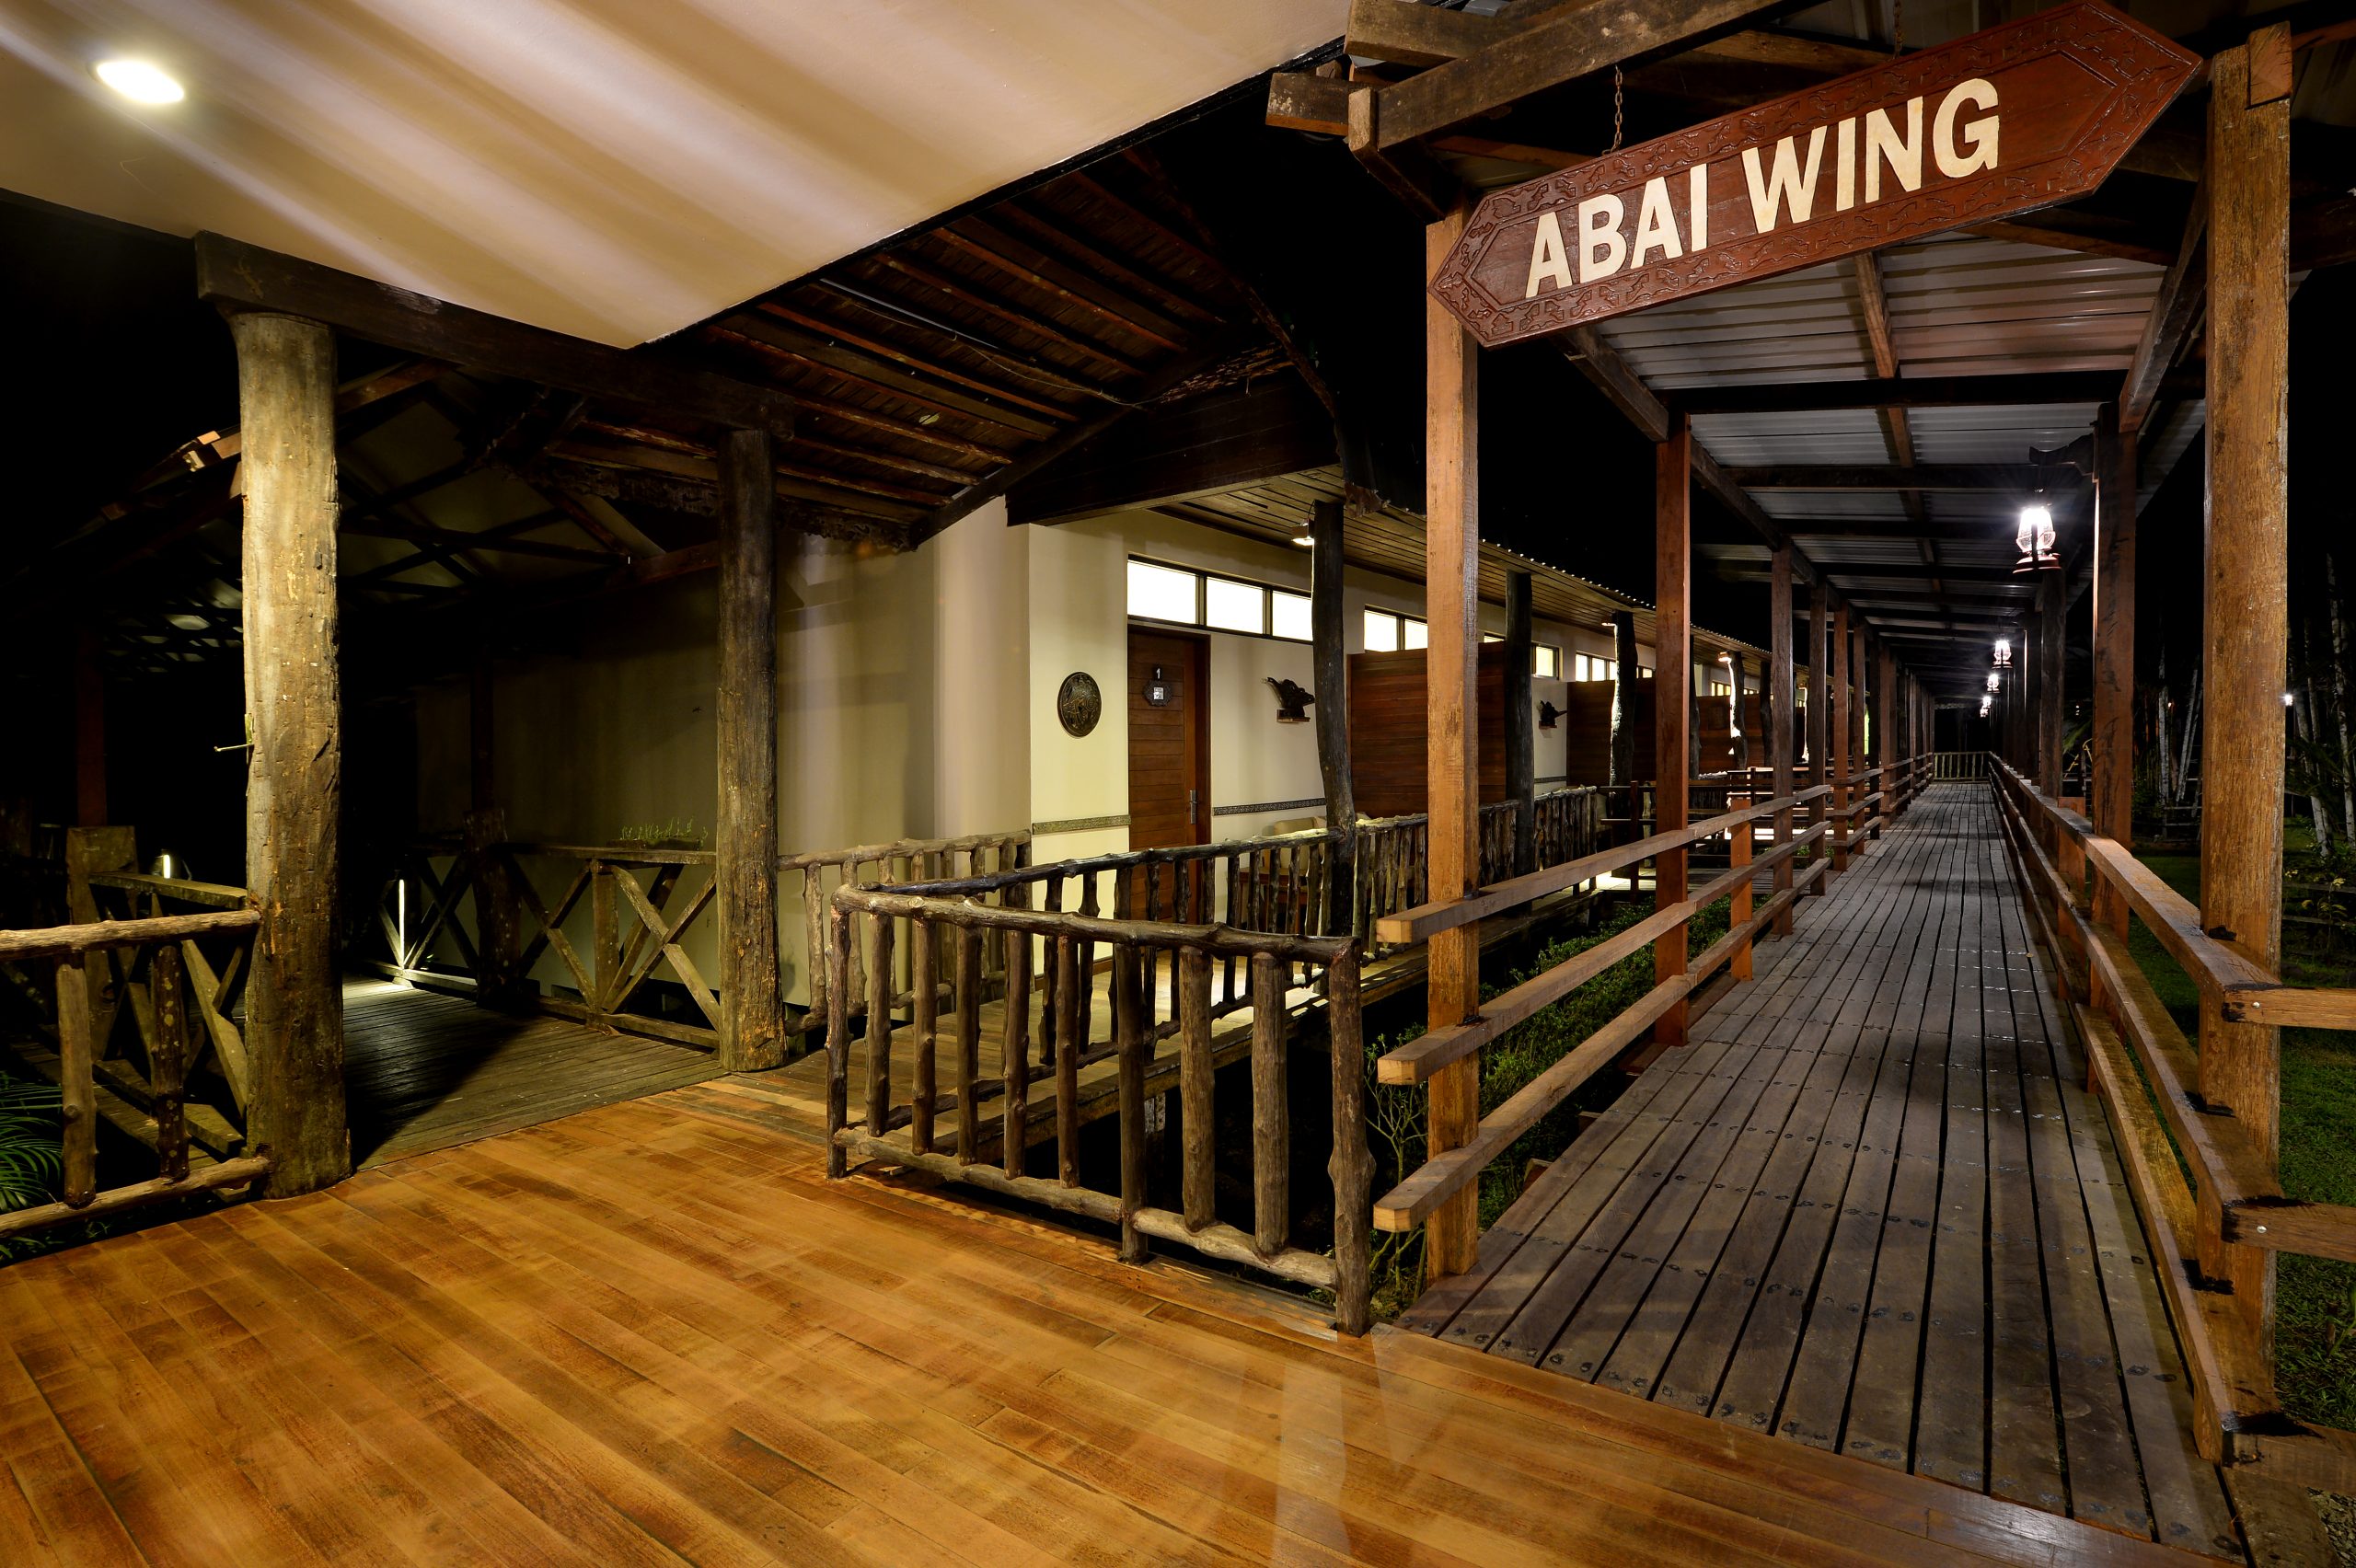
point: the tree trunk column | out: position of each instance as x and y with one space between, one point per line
1451 546
2245 631
293 778
2052 621
1521 760
1672 683
752 1004
1624 660
1330 651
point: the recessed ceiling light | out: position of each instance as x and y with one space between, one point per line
139 81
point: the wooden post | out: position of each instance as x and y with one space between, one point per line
1886 748
2052 660
1858 670
1779 710
295 995
498 911
752 1003
1521 758
1839 762
89 728
1330 651
1820 716
1351 1165
1624 703
1672 683
2245 636
2111 790
1452 578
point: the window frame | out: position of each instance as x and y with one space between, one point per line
1203 576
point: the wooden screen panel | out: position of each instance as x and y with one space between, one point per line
1169 745
1387 730
1585 724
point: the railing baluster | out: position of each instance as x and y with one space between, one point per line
604 936
168 1060
1085 1029
924 1006
1739 856
1271 1126
77 1099
1069 980
879 1029
1132 1048
838 948
813 923
1351 1166
969 1041
1194 1069
1051 986
1015 1050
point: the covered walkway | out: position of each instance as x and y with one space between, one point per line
1871 1209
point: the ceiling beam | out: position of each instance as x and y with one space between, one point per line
2169 328
236 276
2032 389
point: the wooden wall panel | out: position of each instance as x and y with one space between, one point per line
1387 730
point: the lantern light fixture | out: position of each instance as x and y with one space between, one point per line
1995 681
2004 654
139 81
2287 699
2036 540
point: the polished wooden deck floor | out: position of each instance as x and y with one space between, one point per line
422 1070
1872 1210
645 1334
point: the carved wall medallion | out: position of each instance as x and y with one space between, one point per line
1079 704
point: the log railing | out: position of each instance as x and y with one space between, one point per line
1393 858
2206 1190
1161 989
99 971
1424 1190
1959 766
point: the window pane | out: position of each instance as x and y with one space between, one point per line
1381 632
1491 637
1291 612
1158 592
1234 606
1604 669
1545 662
1415 634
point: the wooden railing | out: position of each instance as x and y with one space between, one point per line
101 969
642 901
2206 1190
1427 1189
950 924
1953 765
1393 857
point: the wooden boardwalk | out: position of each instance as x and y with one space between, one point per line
1871 1209
649 1335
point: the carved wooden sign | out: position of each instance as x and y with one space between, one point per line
2002 123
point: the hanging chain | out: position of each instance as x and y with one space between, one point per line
1897 27
1616 107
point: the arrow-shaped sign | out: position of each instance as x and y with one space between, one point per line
1999 123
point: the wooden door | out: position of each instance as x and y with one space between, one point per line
1170 754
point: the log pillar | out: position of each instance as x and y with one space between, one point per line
2245 631
1672 683
1624 661
293 778
498 923
1778 703
1521 757
1329 642
1451 579
752 1004
1819 714
1887 747
2052 623
2111 788
1840 762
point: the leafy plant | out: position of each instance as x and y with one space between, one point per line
677 831
31 1150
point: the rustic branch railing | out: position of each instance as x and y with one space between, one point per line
950 927
90 986
1949 767
2204 1188
901 861
1392 859
1423 1191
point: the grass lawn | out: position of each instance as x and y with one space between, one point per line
2315 1305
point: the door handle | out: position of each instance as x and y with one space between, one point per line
1190 808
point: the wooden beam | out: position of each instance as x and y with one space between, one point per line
1780 699
295 989
1407 172
1572 40
1672 696
1201 446
1329 643
752 1033
2032 389
2174 311
245 277
2245 633
1452 588
1714 478
2112 789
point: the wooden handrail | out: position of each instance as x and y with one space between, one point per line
65 941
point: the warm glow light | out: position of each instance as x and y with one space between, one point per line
1304 540
2004 653
2286 699
139 81
1994 680
2036 539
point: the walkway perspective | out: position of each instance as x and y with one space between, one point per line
1871 1209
